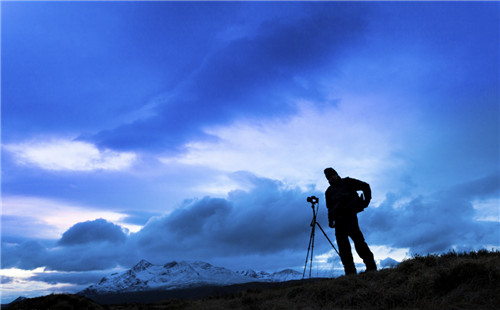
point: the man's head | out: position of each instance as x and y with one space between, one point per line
331 175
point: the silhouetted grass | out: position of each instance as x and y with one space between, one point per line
57 302
449 281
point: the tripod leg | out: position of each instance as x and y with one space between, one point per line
312 250
327 238
311 238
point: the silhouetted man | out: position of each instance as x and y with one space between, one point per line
343 204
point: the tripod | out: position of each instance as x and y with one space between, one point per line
313 202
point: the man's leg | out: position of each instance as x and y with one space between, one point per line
345 251
363 249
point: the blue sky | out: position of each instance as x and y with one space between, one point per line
196 130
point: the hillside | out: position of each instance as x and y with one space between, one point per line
449 281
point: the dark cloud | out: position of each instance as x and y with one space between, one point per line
93 231
90 256
27 254
78 278
437 222
265 219
248 77
118 69
208 214
31 254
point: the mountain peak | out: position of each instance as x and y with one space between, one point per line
170 265
142 265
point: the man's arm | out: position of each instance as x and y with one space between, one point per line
364 187
329 206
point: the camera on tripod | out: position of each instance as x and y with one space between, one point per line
313 199
310 249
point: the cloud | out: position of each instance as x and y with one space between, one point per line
26 226
98 230
265 218
438 222
258 226
36 282
203 215
53 217
69 155
248 77
31 254
31 283
316 137
77 278
5 279
28 254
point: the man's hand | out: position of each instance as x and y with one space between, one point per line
331 224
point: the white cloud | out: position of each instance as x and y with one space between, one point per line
68 155
380 252
296 150
23 285
487 210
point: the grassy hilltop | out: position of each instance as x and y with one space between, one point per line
449 281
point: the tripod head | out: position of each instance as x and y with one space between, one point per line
313 200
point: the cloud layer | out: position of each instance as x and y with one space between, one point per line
225 87
438 222
266 219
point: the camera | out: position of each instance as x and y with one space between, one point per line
313 199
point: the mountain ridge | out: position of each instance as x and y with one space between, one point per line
145 276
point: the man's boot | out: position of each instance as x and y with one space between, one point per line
349 270
371 266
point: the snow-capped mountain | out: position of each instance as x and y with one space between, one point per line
284 275
175 275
